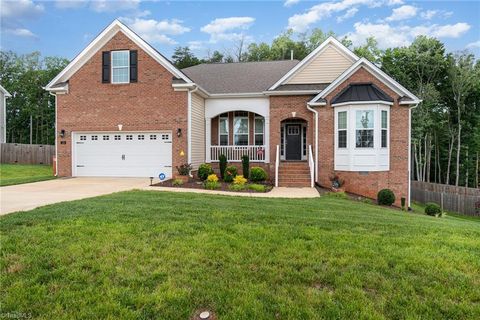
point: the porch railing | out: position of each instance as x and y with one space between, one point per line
235 153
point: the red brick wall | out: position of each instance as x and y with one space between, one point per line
367 184
149 104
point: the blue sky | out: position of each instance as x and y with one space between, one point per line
65 27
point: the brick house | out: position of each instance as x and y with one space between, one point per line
123 109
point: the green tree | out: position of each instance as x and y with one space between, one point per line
370 51
183 58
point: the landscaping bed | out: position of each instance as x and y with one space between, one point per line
223 186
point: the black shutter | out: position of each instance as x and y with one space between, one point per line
133 66
106 67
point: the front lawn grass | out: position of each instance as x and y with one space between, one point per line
161 255
11 174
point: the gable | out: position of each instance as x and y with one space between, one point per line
324 68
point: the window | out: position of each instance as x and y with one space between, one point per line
94 138
259 130
282 140
165 136
106 137
129 137
121 66
293 130
223 129
141 137
153 137
384 128
83 138
240 129
117 137
364 122
342 129
304 138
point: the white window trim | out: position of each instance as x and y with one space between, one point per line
112 67
242 134
356 159
337 130
228 132
255 131
387 129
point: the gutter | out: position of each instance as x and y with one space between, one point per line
316 140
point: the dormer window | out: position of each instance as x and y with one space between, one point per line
120 66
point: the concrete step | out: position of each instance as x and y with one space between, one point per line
294 184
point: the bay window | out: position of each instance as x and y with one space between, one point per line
342 129
121 66
364 124
240 128
384 128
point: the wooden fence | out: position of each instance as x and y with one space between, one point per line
451 198
26 153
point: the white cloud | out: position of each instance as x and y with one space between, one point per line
403 13
395 36
21 32
395 2
429 14
227 28
156 31
20 9
349 14
289 3
302 21
195 45
475 44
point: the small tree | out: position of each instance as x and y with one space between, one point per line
245 166
223 165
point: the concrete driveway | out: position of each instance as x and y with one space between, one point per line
32 195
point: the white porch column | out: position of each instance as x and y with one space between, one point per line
266 135
208 138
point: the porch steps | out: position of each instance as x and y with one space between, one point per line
293 174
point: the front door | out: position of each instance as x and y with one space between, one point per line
293 148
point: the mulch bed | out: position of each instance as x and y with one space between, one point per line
196 184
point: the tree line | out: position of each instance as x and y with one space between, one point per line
445 126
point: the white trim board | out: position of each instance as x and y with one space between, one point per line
100 41
330 40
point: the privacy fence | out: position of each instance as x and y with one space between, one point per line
451 198
26 153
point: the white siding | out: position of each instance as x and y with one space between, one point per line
198 130
2 118
324 68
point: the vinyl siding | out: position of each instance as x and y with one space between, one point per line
324 68
198 130
2 118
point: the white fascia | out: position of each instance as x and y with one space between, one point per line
290 92
349 103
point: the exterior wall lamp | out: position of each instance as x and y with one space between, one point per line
179 132
62 133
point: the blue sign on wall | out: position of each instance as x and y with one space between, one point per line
161 176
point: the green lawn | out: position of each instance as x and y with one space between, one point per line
159 255
23 173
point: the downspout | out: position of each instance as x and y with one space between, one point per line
189 127
56 135
316 140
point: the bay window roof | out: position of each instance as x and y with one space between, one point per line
361 92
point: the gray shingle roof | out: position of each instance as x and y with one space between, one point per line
242 77
361 92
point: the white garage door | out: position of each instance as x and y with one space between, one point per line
125 154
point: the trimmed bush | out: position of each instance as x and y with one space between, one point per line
237 187
212 178
204 170
257 174
184 169
386 197
433 209
257 187
239 180
177 182
245 166
230 173
212 185
223 165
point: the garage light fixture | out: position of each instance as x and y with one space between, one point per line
62 133
179 132
120 126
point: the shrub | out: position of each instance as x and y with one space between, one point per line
245 166
211 185
177 182
258 174
237 187
212 178
386 197
230 173
184 169
204 170
223 165
240 180
257 187
433 209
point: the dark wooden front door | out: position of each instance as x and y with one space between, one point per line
293 148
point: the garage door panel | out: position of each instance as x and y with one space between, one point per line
123 154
